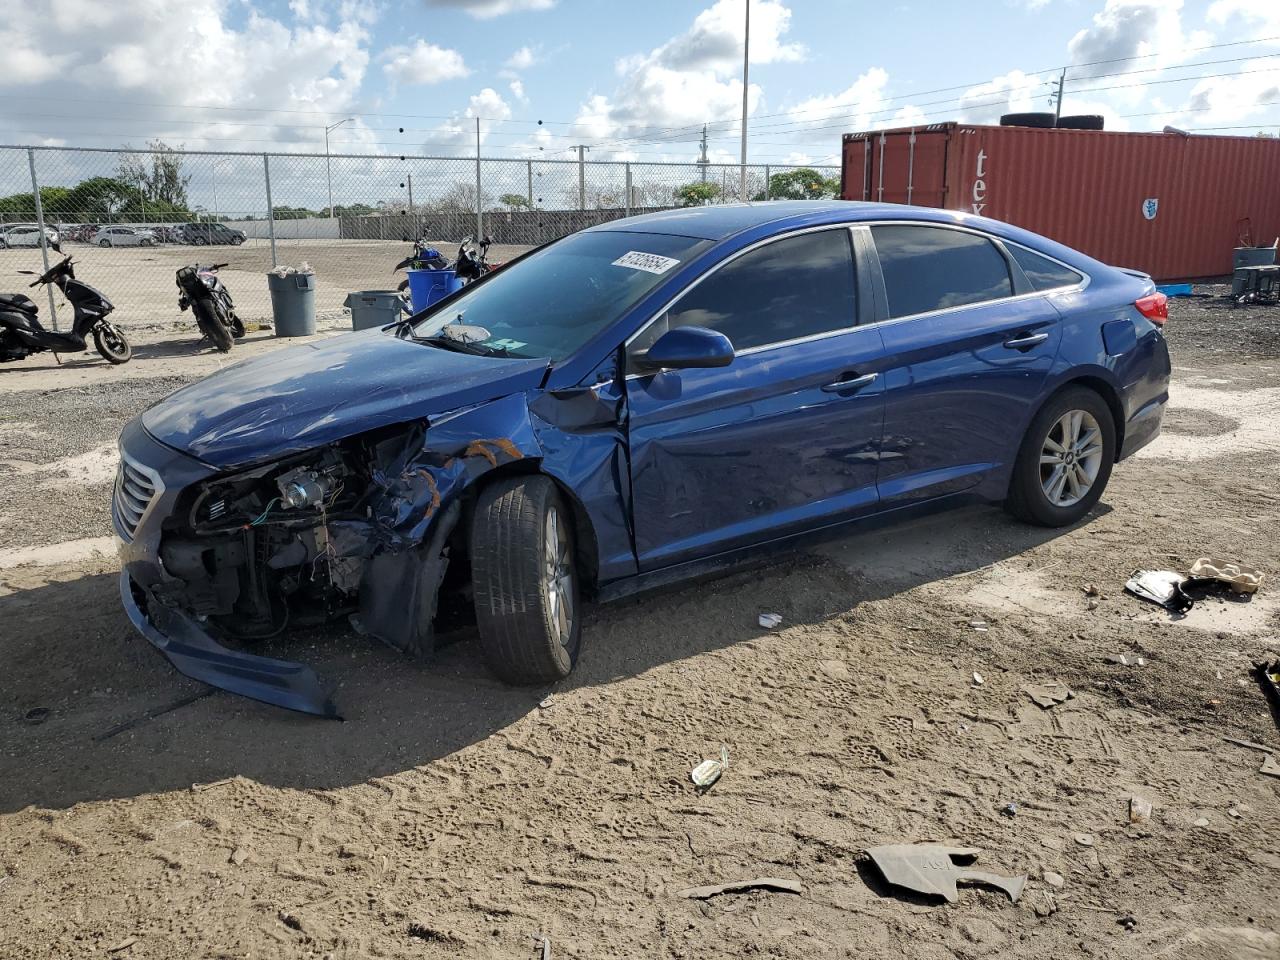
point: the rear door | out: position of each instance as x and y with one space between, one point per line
968 348
783 439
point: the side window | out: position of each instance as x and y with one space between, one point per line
933 268
1042 272
796 287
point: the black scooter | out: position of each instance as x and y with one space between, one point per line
210 301
21 333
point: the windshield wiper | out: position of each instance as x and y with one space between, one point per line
464 346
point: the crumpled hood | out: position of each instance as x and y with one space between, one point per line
305 396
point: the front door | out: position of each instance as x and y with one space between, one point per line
783 439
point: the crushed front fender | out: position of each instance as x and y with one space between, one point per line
194 653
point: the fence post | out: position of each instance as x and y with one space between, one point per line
271 210
44 241
529 164
767 181
582 179
628 200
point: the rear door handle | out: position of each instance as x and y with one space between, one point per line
853 383
1026 340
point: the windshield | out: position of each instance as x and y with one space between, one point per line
554 300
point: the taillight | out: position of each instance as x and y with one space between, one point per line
1154 307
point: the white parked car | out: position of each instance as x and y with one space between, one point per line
124 237
26 235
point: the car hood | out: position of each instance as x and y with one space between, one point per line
305 396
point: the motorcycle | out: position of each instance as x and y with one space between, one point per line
211 304
22 334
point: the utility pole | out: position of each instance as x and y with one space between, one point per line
702 157
746 56
479 201
582 176
328 170
1057 110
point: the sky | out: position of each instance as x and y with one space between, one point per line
630 81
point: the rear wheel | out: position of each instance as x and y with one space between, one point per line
211 325
104 242
525 580
111 343
237 327
1065 459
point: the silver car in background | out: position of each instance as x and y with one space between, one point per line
26 235
124 237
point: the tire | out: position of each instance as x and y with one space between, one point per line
237 327
237 241
199 241
526 636
211 325
104 242
1035 493
1041 121
111 343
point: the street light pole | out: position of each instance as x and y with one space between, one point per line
746 55
328 169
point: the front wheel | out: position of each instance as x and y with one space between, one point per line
211 325
525 580
104 243
1065 460
111 343
237 327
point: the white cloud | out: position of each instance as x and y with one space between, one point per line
1125 30
517 90
522 59
423 63
857 105
1015 92
692 77
1261 16
487 9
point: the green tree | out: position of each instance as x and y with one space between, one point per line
515 201
294 213
802 183
697 193
98 198
158 174
354 210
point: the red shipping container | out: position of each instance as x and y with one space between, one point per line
1172 205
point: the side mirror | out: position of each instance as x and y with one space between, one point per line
688 348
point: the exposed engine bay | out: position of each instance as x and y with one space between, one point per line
292 543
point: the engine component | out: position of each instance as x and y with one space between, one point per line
303 487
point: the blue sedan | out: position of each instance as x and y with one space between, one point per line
629 406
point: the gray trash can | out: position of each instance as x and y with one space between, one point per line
293 303
373 308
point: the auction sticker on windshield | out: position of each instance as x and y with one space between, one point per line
648 262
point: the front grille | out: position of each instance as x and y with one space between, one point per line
136 489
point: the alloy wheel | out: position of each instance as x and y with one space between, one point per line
1070 458
557 579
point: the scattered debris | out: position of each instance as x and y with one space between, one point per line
739 886
420 931
1235 812
1084 839
238 856
936 869
1269 677
1161 587
1239 578
547 703
1047 695
1249 744
155 712
705 774
1200 822
36 715
1128 922
979 625
978 679
1125 660
124 944
1091 590
1269 766
1054 880
1009 809
1139 810
542 943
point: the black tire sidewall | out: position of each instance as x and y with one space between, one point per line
115 358
1026 491
212 327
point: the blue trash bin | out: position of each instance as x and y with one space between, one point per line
430 286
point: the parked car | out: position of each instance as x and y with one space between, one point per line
124 237
27 235
629 406
211 233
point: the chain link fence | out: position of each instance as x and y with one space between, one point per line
131 218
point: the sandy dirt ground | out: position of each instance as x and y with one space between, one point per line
451 816
140 280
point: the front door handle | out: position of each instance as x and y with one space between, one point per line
1026 340
853 383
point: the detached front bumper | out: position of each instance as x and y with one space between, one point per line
283 683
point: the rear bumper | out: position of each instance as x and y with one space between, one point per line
1143 426
179 637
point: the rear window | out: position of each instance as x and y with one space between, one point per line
934 268
1043 273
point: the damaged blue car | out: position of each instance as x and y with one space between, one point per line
631 405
